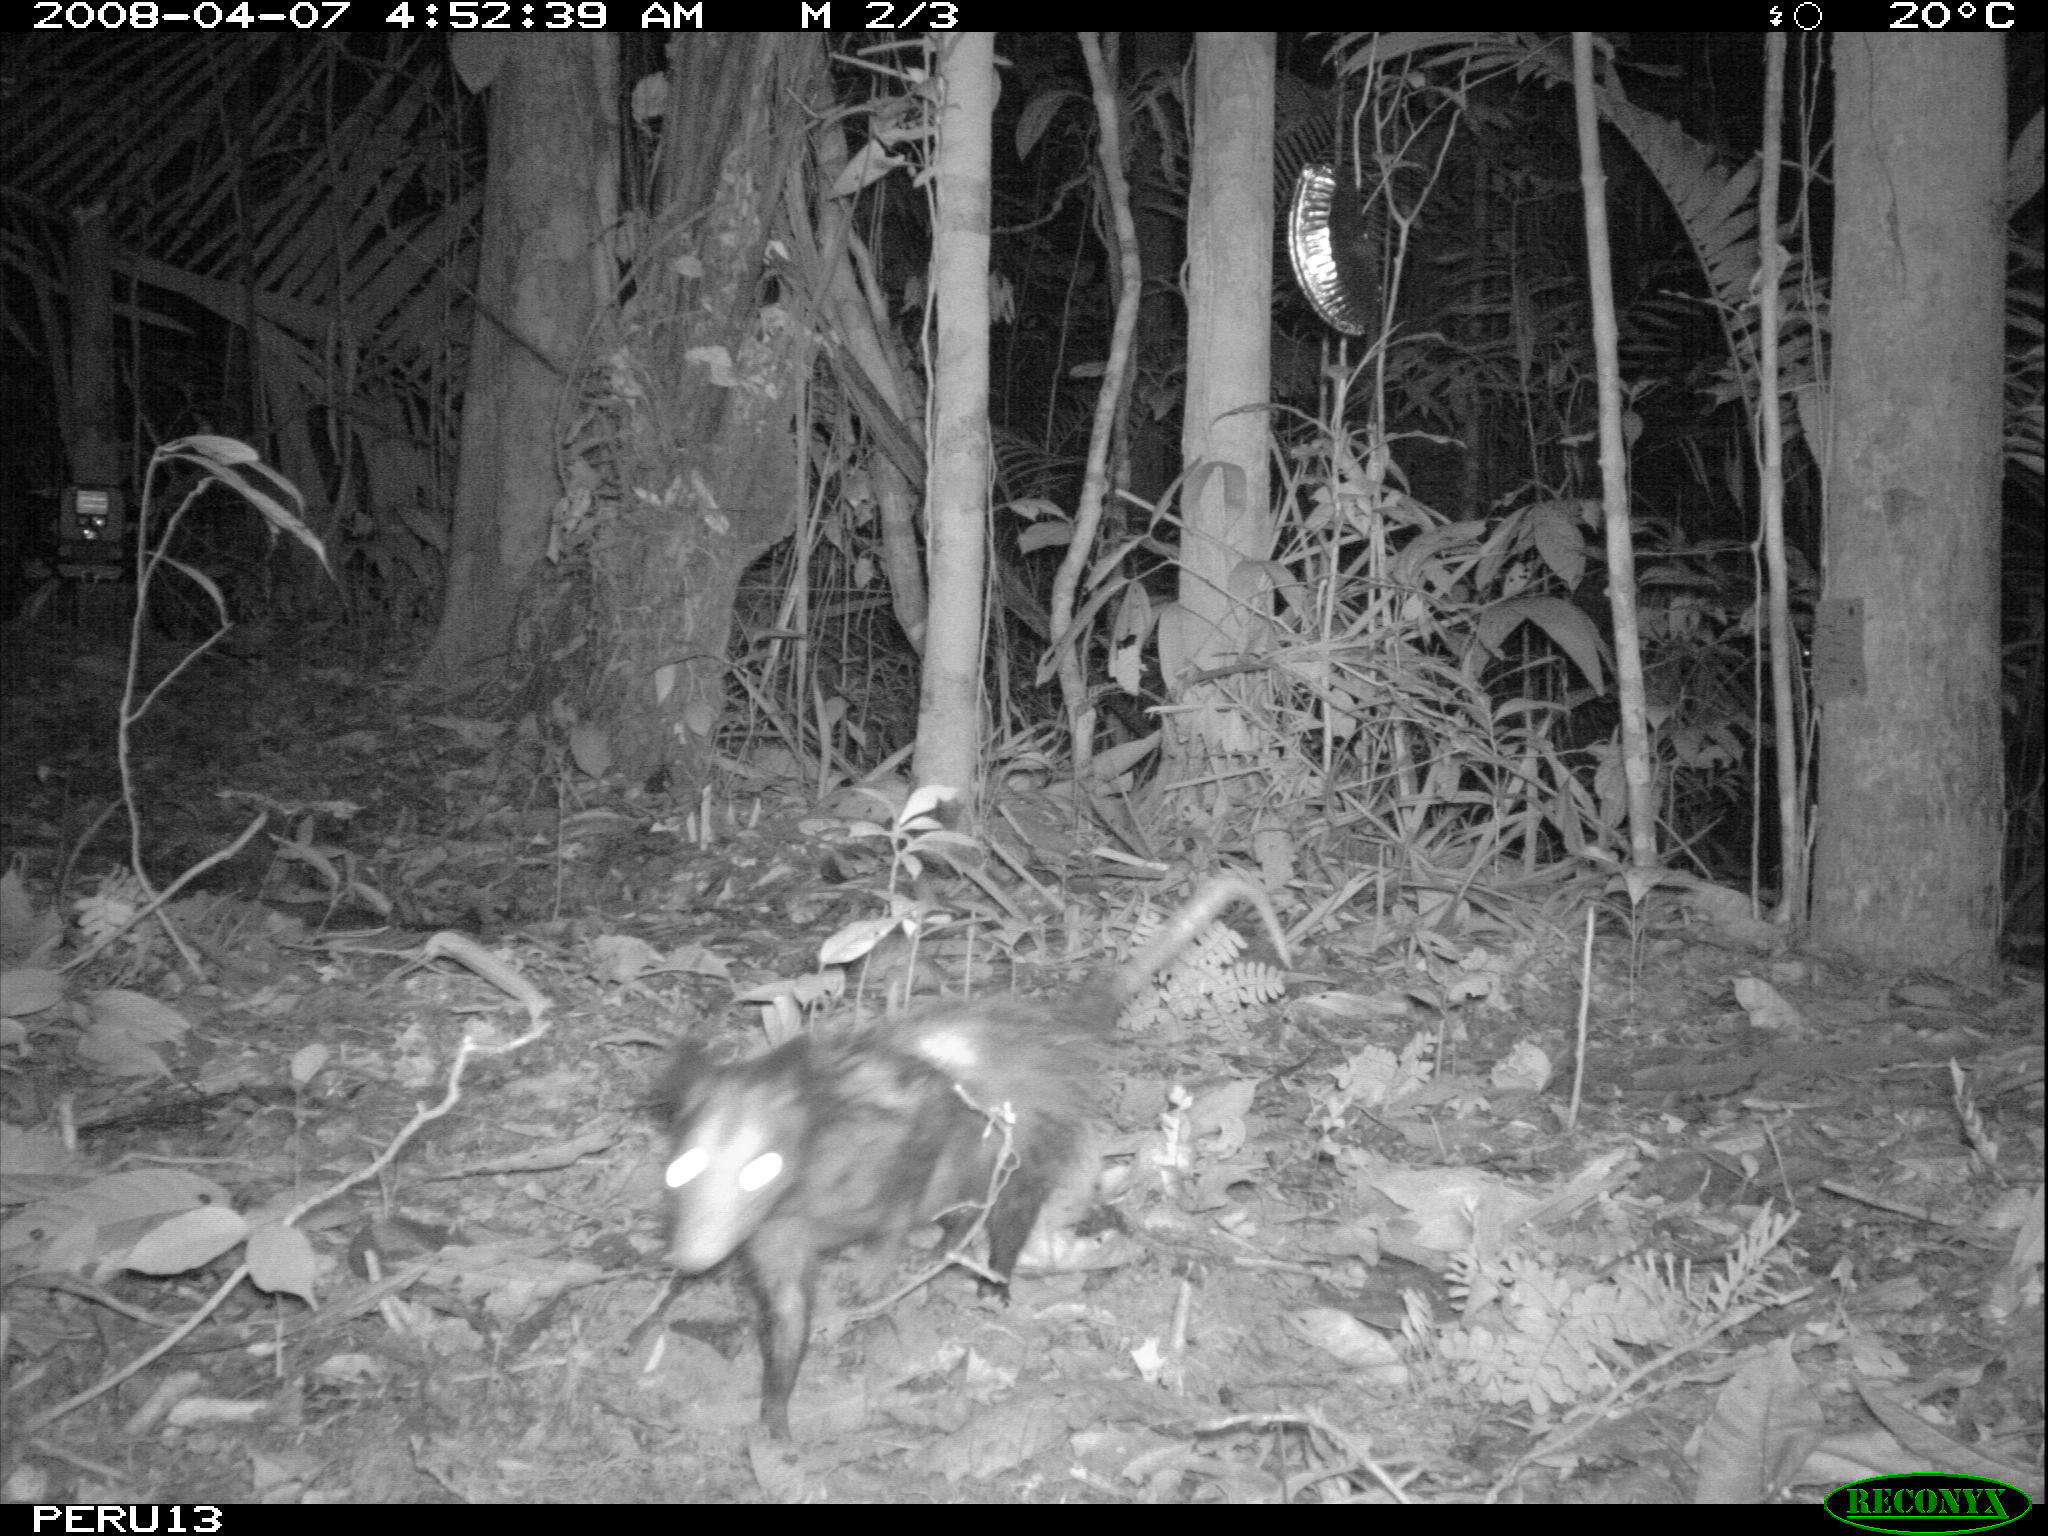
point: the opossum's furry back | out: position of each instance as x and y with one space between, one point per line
859 1137
826 1141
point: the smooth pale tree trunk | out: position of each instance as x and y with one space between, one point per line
949 724
1909 822
1227 530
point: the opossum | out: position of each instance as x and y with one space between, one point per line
827 1141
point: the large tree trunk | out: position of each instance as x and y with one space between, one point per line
706 387
1907 856
1227 518
949 735
537 288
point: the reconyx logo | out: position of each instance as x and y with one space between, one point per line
1927 1502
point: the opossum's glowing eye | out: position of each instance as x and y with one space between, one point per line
757 1175
686 1166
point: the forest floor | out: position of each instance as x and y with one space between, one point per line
1768 1225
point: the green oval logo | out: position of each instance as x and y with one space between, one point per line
1927 1503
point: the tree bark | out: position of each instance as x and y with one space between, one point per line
949 736
1227 518
708 452
1910 816
550 119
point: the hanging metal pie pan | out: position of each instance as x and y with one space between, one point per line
1326 244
